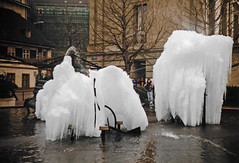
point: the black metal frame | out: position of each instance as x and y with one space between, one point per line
136 131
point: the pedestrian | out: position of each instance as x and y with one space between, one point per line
142 82
13 87
149 87
138 83
4 93
135 82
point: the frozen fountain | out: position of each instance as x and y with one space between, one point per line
192 67
72 98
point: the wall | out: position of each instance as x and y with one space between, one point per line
20 69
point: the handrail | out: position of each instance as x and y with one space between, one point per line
112 113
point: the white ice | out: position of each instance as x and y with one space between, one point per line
115 89
189 64
69 99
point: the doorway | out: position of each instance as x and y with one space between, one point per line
139 69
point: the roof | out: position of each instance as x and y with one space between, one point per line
47 63
61 2
19 3
15 63
13 29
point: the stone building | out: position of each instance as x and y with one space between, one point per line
107 45
232 16
106 29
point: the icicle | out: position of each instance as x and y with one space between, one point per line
68 99
189 64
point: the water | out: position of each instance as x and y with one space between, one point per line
22 139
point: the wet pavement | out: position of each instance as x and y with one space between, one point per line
22 139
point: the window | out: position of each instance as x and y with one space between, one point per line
26 54
3 50
11 77
25 80
141 12
11 51
39 54
44 55
40 10
28 33
236 28
19 52
33 54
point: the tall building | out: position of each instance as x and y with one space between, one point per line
122 32
64 22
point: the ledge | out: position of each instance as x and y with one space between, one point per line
6 102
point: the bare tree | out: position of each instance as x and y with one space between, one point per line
205 16
127 28
74 33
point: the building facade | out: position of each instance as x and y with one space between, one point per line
230 27
20 45
163 17
109 37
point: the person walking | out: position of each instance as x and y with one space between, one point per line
13 88
149 87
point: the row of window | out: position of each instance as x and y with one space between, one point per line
25 79
141 13
78 18
60 11
27 53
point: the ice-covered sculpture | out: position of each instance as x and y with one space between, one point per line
190 64
69 99
115 89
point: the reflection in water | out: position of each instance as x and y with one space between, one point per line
14 123
22 139
147 155
15 132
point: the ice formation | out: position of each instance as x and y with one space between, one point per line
69 99
190 64
116 91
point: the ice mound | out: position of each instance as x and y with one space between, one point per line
190 64
69 99
116 91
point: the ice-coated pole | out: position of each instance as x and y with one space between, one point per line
204 110
94 102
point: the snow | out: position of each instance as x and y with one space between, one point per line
69 99
189 64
